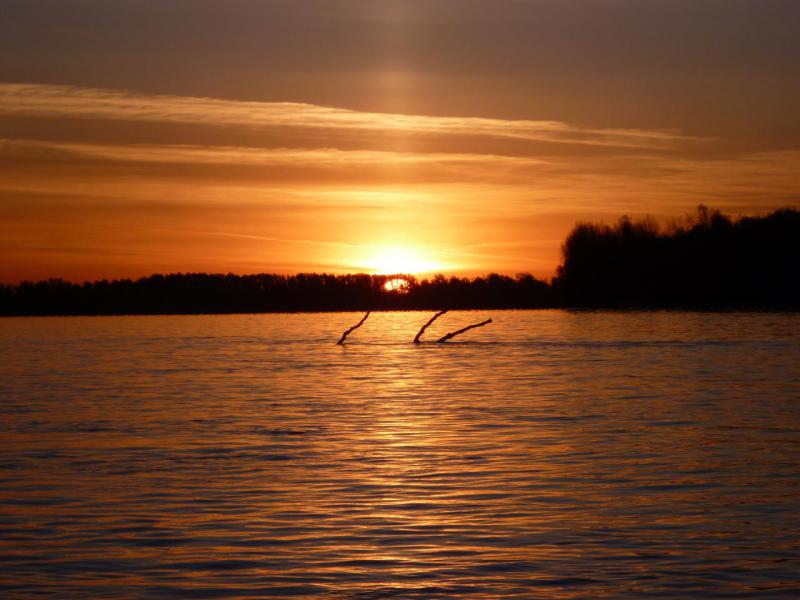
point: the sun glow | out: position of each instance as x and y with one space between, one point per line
400 261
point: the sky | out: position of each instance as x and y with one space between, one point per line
455 136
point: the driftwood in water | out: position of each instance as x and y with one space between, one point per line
428 324
453 334
352 329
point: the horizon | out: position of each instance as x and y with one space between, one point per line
708 260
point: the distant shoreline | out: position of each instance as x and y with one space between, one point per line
710 263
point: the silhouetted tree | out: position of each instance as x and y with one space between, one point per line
194 293
708 261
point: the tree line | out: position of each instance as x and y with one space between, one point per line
199 293
708 260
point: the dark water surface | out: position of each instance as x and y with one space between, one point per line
548 455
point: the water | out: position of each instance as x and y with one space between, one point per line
548 455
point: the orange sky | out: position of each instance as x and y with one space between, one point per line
462 137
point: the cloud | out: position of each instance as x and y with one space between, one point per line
282 157
91 103
630 183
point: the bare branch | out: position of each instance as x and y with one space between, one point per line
352 329
428 324
453 334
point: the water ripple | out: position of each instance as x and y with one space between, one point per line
552 454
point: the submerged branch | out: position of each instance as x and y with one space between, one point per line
428 324
352 329
453 334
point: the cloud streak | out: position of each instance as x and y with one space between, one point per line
324 171
238 155
38 100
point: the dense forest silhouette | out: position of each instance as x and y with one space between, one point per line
707 261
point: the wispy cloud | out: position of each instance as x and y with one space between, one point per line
636 181
238 155
92 103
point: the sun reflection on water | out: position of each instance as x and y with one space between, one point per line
576 455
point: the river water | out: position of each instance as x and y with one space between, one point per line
550 454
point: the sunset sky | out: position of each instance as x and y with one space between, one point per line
461 136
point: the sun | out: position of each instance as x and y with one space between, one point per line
397 284
399 261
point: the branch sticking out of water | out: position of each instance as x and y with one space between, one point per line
428 324
453 334
352 329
